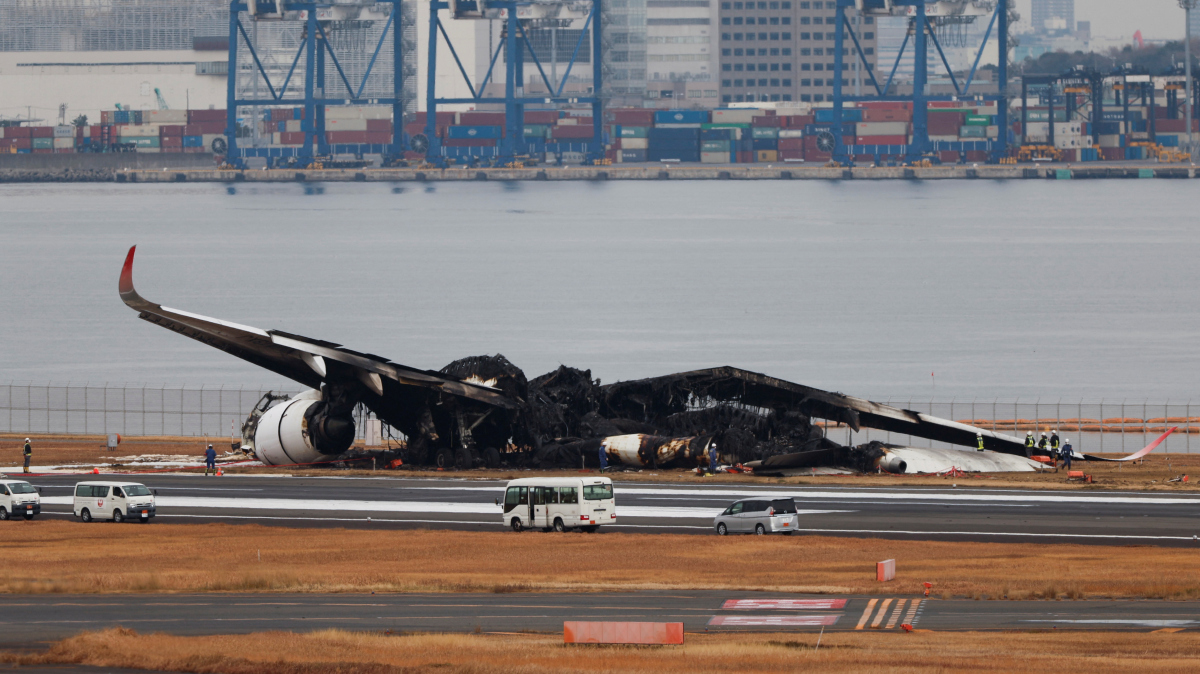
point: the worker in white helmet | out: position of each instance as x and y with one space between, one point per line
28 453
1030 443
1067 450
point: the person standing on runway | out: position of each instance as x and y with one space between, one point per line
28 454
210 460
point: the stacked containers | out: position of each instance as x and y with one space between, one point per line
676 135
718 144
764 134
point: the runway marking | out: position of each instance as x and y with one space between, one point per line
773 621
882 610
993 533
1129 621
866 614
895 614
912 612
1016 496
782 604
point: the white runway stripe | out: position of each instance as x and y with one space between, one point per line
443 507
1031 496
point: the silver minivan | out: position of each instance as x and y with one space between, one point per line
759 516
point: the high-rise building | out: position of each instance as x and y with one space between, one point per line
681 57
1053 16
783 50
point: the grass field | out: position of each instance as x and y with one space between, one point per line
337 652
1151 474
64 556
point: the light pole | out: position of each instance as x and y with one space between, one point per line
1188 6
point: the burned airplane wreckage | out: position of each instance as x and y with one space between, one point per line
482 411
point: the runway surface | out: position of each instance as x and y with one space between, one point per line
25 620
941 513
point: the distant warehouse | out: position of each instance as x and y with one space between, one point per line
91 55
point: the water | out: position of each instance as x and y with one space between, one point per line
1002 289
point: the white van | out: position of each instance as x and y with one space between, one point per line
116 501
559 503
18 498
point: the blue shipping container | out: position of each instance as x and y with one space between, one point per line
656 133
474 132
719 134
193 141
656 154
121 117
825 115
681 117
765 144
1168 141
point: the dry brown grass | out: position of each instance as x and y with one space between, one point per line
62 556
1152 474
338 652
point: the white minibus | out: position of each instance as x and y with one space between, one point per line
559 503
18 497
116 501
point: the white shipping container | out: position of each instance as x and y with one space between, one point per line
986 110
952 138
882 128
142 130
345 124
358 112
294 125
64 131
993 131
1068 142
275 139
150 149
714 157
62 143
568 121
165 116
791 133
635 143
741 116
1067 128
1110 140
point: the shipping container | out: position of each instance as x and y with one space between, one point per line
631 131
735 116
64 131
142 142
541 117
65 142
173 142
766 155
791 144
883 140
537 131
461 132
715 146
199 116
559 132
972 132
442 119
632 116
825 115
632 156
978 120
635 143
198 141
43 143
469 142
165 117
881 128
681 117
714 157
41 131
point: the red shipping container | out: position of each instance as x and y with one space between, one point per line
1109 153
798 121
791 154
282 114
616 144
791 144
345 136
414 128
41 131
887 115
469 142
18 132
170 130
291 137
571 132
22 143
443 118
203 128
379 125
976 156
767 121
1175 125
63 150
170 141
745 157
885 105
193 150
579 121
633 117
379 137
43 150
198 116
541 116
1070 154
481 118
948 156
883 140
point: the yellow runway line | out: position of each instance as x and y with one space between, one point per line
866 614
895 614
882 612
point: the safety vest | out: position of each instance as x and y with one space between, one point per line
1029 441
979 441
1054 442
28 449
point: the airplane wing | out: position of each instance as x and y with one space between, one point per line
730 384
308 361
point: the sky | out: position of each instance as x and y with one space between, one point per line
1157 19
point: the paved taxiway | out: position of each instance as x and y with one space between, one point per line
941 512
29 619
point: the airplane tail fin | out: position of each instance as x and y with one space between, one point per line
1138 454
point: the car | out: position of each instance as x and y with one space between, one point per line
758 516
19 498
116 501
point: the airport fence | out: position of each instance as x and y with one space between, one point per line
133 409
140 409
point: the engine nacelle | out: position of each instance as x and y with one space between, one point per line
890 463
300 431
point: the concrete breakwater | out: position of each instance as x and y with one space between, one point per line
616 172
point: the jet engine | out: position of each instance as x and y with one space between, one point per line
304 429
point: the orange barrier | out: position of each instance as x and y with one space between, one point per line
885 570
622 633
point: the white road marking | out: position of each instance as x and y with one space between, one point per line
443 507
1124 621
874 496
782 604
992 533
773 621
